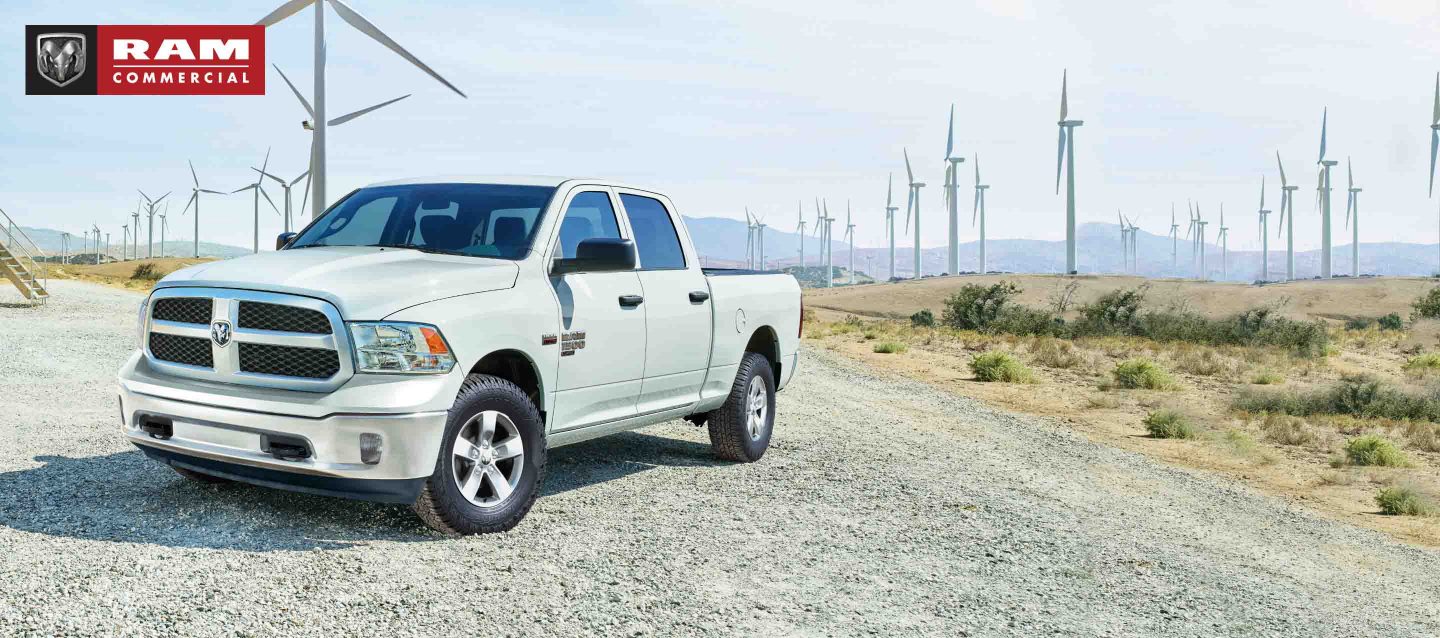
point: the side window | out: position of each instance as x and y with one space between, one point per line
589 215
655 238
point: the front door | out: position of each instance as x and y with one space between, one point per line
677 306
602 338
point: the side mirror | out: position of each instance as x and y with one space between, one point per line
284 239
599 255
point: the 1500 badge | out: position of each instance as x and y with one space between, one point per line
569 341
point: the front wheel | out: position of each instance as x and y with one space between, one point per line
492 461
740 429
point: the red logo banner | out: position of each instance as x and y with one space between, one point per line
180 60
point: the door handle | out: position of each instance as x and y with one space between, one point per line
699 296
630 301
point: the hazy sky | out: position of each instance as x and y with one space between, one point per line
759 103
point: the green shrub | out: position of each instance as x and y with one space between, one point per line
1391 321
1358 323
1427 306
923 319
975 307
1054 353
146 272
1423 364
1403 501
1142 373
1169 424
1373 449
890 347
1287 430
999 366
1358 396
1114 313
1267 377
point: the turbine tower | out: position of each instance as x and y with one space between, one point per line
760 227
1324 196
195 199
1287 218
749 240
1174 239
850 237
1124 242
1200 225
913 203
1264 235
289 8
163 228
952 189
1434 134
259 187
1134 246
829 246
820 234
1066 159
978 209
1352 200
125 244
135 234
1224 238
890 222
150 205
800 228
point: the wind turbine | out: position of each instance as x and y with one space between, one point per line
1287 218
259 188
125 244
96 230
952 188
65 248
1200 224
150 205
1124 242
800 229
1264 235
1174 239
1324 196
1353 201
1066 159
1224 238
760 227
289 8
913 203
749 240
829 246
1134 246
850 237
820 233
1192 233
890 222
195 199
135 236
286 186
1434 134
978 209
163 227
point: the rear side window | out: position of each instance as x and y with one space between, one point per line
589 216
655 238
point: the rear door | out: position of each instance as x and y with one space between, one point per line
677 304
601 338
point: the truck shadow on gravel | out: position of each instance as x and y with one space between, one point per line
125 497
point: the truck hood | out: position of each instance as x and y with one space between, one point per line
364 282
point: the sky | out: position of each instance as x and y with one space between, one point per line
724 105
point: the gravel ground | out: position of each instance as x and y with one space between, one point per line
884 506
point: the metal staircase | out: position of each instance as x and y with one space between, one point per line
22 262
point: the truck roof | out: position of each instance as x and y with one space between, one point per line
517 180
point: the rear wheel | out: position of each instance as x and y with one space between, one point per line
492 461
740 429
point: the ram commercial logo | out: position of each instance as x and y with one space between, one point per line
144 60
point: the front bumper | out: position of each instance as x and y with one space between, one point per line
213 433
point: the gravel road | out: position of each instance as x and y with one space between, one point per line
883 507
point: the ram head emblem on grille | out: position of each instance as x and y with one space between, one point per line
220 333
60 57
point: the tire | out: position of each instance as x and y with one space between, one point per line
443 504
199 477
734 434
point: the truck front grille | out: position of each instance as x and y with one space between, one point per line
184 310
190 351
287 361
248 337
255 315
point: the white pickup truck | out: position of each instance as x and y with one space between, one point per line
427 341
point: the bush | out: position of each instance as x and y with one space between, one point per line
890 347
1427 306
1423 364
1267 377
923 319
146 272
1287 430
1391 321
1054 353
999 366
1203 362
1403 501
1169 424
1357 396
1359 323
1115 313
975 307
1142 373
1375 450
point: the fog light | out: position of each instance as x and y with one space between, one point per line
371 445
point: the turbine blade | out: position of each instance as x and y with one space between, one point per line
261 190
1434 146
1283 183
264 174
950 137
193 176
1262 192
889 189
284 11
298 95
1060 160
365 26
909 204
266 164
193 197
1064 94
977 169
350 116
908 173
1324 123
300 177
1349 201
206 190
1349 173
1435 112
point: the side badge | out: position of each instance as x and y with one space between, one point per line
549 339
572 341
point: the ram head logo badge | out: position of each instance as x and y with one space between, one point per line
60 57
220 333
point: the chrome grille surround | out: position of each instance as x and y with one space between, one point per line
225 304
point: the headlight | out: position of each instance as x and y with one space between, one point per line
400 348
140 321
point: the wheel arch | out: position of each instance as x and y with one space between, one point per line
518 368
766 343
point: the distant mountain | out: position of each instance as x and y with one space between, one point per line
723 240
49 241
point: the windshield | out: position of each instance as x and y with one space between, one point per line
478 220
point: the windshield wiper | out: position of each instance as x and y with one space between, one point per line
423 249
